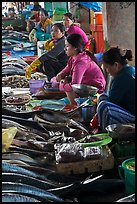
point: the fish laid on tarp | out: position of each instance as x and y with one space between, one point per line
73 187
11 187
15 64
12 70
27 124
6 167
16 162
24 179
31 152
13 197
19 156
15 59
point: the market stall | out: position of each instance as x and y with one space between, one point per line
49 153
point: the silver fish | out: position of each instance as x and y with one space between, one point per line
18 156
24 179
13 197
6 167
11 187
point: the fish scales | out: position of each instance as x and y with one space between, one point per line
18 156
12 197
6 167
30 190
19 178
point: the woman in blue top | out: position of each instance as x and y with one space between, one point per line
119 105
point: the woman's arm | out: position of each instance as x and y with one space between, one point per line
77 75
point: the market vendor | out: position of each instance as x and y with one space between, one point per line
34 19
42 31
55 59
72 27
82 68
119 105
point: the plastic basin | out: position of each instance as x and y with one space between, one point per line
128 175
35 85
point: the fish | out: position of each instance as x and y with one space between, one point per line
19 156
78 125
13 197
12 187
31 152
12 70
6 167
33 125
24 179
15 59
25 133
73 187
16 162
16 64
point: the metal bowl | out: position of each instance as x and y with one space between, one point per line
121 131
84 90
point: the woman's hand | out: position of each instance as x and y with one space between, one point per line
58 77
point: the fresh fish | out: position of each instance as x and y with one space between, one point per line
16 162
129 198
19 156
68 189
11 187
16 64
6 167
22 114
13 197
25 133
78 125
12 70
24 179
31 152
27 123
15 59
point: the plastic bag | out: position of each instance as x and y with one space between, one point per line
7 137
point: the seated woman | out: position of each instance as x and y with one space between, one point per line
42 31
119 105
71 27
55 59
81 67
33 20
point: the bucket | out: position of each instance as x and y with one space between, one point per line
35 85
87 112
128 175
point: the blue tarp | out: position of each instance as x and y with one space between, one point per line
95 6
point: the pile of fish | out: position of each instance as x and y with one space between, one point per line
29 166
13 39
13 66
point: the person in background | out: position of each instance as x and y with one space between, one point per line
34 19
43 28
71 27
82 68
118 106
92 47
55 59
36 6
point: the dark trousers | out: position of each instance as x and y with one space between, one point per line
51 68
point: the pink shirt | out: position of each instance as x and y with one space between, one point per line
76 29
83 71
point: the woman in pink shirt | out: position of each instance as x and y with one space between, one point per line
71 27
82 67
